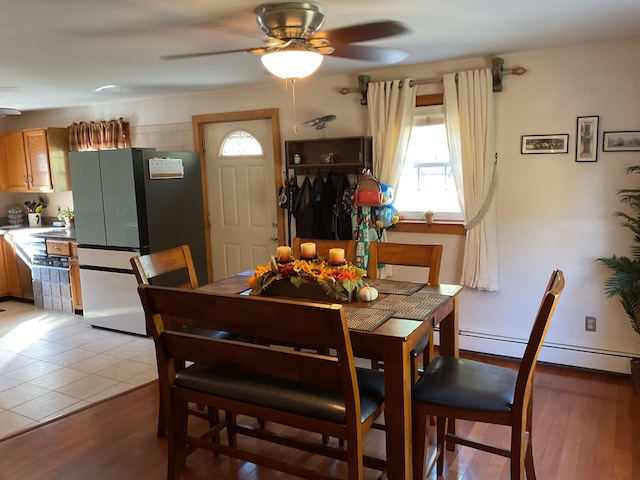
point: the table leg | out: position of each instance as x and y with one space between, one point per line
449 332
397 383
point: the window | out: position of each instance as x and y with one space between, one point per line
240 144
426 182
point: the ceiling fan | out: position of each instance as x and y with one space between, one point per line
9 111
294 38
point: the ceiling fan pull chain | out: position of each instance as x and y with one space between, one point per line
293 96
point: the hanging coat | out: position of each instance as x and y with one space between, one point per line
303 210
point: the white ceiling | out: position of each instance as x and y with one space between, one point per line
56 53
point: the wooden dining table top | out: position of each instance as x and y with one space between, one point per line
390 341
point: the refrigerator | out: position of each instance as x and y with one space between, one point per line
129 202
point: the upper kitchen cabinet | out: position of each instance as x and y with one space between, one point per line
37 160
4 167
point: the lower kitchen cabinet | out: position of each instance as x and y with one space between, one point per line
9 276
76 291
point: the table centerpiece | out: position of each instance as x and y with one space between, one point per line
314 278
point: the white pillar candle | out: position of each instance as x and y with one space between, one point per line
336 256
284 254
308 250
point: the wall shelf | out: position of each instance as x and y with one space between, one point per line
349 153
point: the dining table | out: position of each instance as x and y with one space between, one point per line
388 329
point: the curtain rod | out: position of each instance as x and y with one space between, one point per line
497 68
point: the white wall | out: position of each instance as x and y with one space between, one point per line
552 211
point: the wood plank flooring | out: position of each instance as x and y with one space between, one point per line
586 426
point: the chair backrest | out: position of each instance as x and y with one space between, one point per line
415 255
323 246
172 267
536 338
274 320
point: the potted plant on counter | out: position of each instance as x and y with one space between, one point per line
625 281
68 216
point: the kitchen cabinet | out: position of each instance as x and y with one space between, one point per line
352 154
9 276
4 167
67 248
4 286
74 275
58 247
37 160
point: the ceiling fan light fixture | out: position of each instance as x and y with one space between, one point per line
292 63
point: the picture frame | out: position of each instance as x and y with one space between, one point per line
621 141
535 144
587 139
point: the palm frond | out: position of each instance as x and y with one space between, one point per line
625 280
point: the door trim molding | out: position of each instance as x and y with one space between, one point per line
199 122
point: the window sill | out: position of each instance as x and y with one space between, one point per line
420 226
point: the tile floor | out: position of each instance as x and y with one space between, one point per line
52 363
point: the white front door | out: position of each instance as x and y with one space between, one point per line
242 201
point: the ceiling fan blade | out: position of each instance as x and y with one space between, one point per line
373 54
9 111
362 32
206 54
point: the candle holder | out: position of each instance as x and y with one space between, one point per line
309 259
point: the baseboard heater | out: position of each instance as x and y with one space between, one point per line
561 354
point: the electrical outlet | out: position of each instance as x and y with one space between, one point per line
590 324
59 208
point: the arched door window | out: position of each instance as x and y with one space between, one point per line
240 143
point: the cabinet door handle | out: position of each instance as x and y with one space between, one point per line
24 179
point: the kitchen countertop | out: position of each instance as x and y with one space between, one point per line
39 232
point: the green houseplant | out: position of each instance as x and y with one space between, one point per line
67 215
625 280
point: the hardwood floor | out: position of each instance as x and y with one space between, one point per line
586 426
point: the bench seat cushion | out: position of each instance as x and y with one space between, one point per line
288 396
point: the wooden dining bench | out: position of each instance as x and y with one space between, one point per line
306 391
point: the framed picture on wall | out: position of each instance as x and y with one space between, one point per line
545 143
587 139
621 141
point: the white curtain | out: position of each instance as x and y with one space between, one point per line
391 110
469 119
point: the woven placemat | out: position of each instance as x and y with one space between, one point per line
393 286
366 319
419 306
228 286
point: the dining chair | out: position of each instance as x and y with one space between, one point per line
312 392
176 262
172 267
413 255
456 388
323 246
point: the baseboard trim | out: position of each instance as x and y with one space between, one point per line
559 354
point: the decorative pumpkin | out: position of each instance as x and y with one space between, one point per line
368 294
